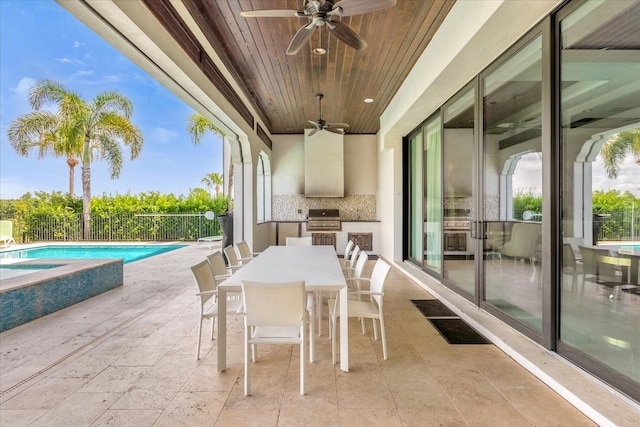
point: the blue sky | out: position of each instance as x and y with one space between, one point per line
41 40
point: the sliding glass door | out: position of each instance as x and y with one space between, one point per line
600 172
460 188
425 219
512 193
432 179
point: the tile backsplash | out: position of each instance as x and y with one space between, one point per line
360 207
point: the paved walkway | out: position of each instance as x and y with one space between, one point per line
127 357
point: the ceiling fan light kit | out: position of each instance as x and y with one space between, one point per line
321 12
321 124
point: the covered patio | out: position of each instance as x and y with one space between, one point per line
127 357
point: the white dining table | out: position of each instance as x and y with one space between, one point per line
318 266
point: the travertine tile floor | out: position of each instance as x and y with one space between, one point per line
127 357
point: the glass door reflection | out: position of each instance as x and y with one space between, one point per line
512 186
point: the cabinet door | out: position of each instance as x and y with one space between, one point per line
364 240
287 229
324 239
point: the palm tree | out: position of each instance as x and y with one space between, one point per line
198 126
80 130
37 131
616 149
213 179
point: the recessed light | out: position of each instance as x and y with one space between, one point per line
319 51
369 100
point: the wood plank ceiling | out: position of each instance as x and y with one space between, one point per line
283 88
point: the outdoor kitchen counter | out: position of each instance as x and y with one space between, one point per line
304 221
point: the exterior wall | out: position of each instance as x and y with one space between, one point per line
360 164
361 177
465 44
287 165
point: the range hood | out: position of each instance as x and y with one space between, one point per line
323 164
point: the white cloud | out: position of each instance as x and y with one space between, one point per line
528 174
161 136
85 73
628 176
111 78
23 86
74 61
77 44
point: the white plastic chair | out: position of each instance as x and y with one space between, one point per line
208 293
232 259
222 272
6 233
220 269
299 241
275 313
312 301
350 268
243 252
356 279
371 309
347 253
353 282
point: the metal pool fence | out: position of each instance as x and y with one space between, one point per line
114 227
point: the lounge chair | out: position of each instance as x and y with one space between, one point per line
6 232
210 239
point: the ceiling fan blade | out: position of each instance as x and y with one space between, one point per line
506 125
338 125
335 130
313 131
276 13
315 124
497 131
357 7
316 4
344 33
301 37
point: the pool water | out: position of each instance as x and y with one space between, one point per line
632 249
128 253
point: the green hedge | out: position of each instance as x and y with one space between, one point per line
145 216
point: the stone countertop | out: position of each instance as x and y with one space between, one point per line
343 220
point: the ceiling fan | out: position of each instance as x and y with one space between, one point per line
321 12
532 122
515 127
320 124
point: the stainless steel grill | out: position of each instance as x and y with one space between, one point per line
324 220
456 226
456 219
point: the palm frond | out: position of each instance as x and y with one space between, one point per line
198 126
32 130
109 149
615 150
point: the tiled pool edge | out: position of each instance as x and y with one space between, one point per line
28 297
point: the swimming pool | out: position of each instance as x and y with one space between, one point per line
631 248
128 253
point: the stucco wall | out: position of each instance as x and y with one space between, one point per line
360 164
